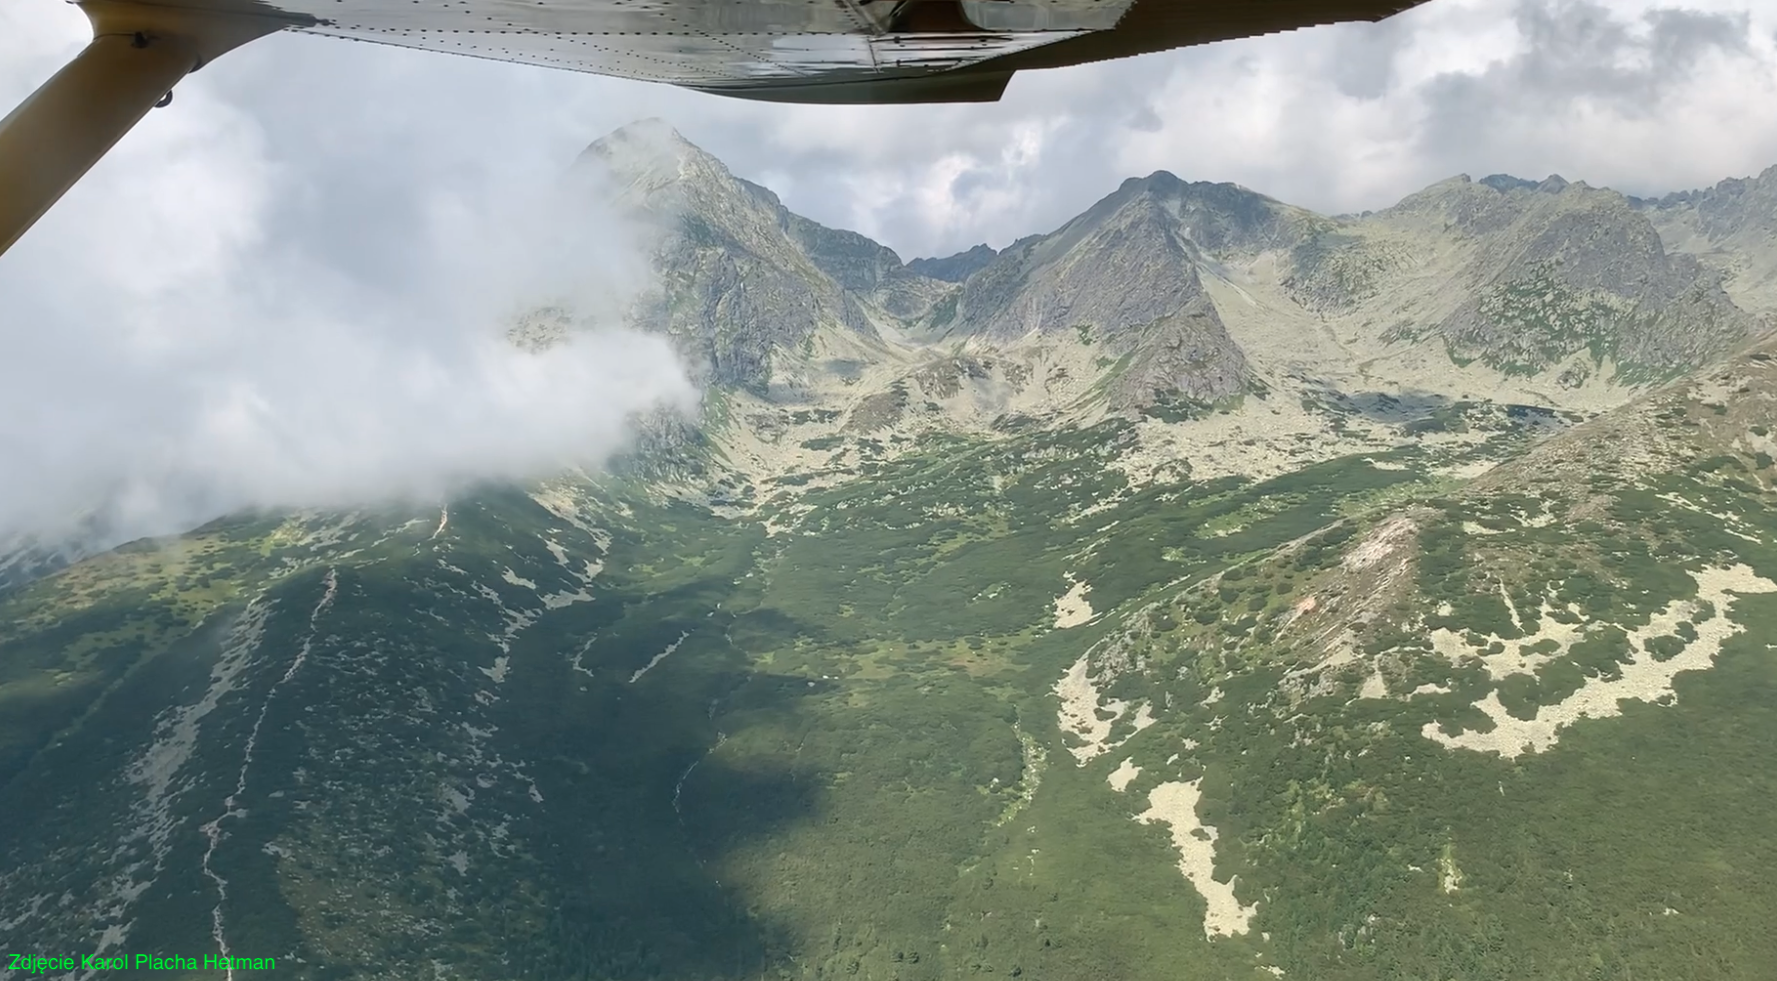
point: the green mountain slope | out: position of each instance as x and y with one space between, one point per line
927 661
883 728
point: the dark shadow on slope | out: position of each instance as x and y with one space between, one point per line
631 882
1393 408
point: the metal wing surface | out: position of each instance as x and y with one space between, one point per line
823 51
804 50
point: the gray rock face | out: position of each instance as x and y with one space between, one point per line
1577 268
1127 272
1460 206
1520 275
734 284
1333 271
955 268
1124 270
1731 207
1128 261
1185 355
853 261
1731 228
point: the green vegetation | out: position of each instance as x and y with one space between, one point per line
821 740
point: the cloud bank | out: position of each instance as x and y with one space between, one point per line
204 326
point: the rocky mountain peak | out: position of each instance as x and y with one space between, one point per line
1523 276
1731 228
955 268
737 282
644 145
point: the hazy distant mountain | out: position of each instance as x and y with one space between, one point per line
1557 283
1205 589
1555 271
1731 227
955 268
22 560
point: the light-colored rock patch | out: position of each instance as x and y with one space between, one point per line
1449 873
556 601
656 659
1517 658
1174 803
590 568
516 620
1082 714
1144 716
1465 471
1072 608
1380 543
1124 774
1643 678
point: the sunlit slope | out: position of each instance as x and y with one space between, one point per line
938 649
587 730
992 707
1520 730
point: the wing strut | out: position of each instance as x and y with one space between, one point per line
137 54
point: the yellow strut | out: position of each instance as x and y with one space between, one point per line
137 54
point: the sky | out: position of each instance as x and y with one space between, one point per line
278 291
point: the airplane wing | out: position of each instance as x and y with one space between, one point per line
816 51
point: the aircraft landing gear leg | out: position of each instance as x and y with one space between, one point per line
137 54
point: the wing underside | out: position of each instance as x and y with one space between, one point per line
724 45
800 50
831 51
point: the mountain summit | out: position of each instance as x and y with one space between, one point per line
1193 292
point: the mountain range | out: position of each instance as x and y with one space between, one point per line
1207 588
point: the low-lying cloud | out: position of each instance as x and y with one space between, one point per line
200 328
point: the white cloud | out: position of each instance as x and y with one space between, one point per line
1627 93
203 325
